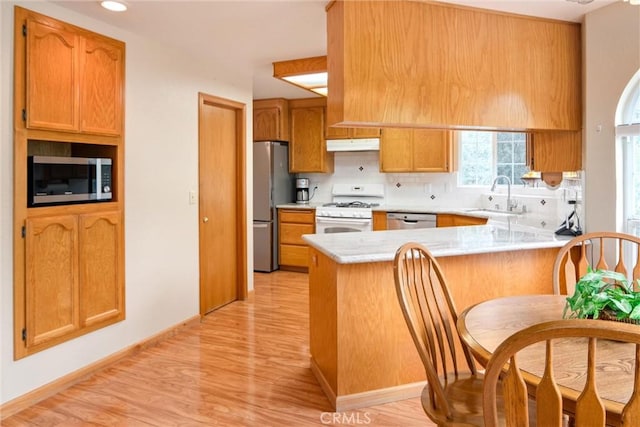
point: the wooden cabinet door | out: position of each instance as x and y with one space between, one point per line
379 220
431 150
365 132
101 268
396 150
556 151
51 278
356 133
307 149
265 124
102 88
52 76
270 120
337 133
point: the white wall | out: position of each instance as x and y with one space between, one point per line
161 166
611 57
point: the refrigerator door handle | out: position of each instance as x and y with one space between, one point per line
261 225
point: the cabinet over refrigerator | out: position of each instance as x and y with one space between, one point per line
272 185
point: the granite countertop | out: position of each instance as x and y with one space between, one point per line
378 246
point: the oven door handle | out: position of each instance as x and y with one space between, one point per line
331 220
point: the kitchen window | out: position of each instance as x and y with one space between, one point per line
484 155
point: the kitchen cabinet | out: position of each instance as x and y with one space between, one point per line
74 78
79 258
426 64
52 309
292 224
555 151
68 259
415 150
379 220
271 119
308 148
455 220
351 133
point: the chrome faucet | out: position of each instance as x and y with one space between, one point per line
510 205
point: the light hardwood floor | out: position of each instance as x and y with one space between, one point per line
246 364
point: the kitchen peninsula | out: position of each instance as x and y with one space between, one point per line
361 350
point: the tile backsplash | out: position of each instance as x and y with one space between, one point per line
543 207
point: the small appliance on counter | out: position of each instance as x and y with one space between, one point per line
302 190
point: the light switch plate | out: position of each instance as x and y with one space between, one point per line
193 197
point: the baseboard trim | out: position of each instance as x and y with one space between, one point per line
322 380
380 396
367 398
31 398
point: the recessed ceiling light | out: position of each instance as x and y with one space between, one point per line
114 6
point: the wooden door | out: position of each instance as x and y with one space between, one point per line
222 207
102 86
51 278
52 69
101 267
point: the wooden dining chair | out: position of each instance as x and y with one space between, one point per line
452 395
589 409
601 250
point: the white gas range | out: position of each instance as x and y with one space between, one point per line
350 210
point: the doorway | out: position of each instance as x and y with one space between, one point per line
222 206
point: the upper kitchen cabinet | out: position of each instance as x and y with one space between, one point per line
308 148
415 150
271 120
555 151
74 79
436 65
352 133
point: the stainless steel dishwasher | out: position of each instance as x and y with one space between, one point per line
404 221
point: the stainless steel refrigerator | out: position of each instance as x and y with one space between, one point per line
272 186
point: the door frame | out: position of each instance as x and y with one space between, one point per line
241 204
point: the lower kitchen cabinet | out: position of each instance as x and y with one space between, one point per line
454 220
379 220
292 224
74 276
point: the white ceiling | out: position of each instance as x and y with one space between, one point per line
247 36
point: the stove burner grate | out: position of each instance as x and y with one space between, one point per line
354 204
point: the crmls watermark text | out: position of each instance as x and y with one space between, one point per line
350 418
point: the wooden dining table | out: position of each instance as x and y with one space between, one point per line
484 326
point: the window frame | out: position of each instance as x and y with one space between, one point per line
494 158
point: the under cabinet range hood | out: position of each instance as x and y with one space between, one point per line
354 144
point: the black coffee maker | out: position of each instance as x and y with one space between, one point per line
302 190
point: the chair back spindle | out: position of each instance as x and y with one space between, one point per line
589 407
595 249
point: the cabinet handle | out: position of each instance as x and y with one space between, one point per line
205 219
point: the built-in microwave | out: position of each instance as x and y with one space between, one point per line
63 180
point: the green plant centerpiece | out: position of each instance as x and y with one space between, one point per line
604 294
